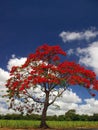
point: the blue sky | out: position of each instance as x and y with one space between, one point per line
24 25
27 24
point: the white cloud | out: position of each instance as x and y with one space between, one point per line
70 51
67 101
89 108
69 97
89 56
70 100
4 75
15 62
85 35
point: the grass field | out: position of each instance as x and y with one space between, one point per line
16 124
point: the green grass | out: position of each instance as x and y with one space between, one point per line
18 124
15 124
72 124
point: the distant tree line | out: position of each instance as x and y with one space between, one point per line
69 116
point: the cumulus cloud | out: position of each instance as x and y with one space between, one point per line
15 62
89 56
4 75
69 100
84 35
89 108
70 52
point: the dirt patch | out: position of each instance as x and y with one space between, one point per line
53 129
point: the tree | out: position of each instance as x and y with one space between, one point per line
44 71
69 115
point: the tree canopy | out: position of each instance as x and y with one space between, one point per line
45 70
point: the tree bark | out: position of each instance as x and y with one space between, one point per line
44 112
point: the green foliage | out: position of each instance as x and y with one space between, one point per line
20 117
69 116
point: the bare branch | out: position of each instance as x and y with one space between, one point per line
34 99
58 95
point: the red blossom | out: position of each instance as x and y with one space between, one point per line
14 68
26 63
56 58
42 69
15 84
45 69
22 87
29 77
93 94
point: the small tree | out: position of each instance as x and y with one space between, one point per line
43 71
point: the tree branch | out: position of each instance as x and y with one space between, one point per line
34 99
59 94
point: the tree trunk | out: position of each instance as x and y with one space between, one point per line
44 113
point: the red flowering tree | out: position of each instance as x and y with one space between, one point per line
43 71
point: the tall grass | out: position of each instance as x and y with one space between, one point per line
72 124
19 124
16 124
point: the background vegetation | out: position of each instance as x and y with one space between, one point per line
69 116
